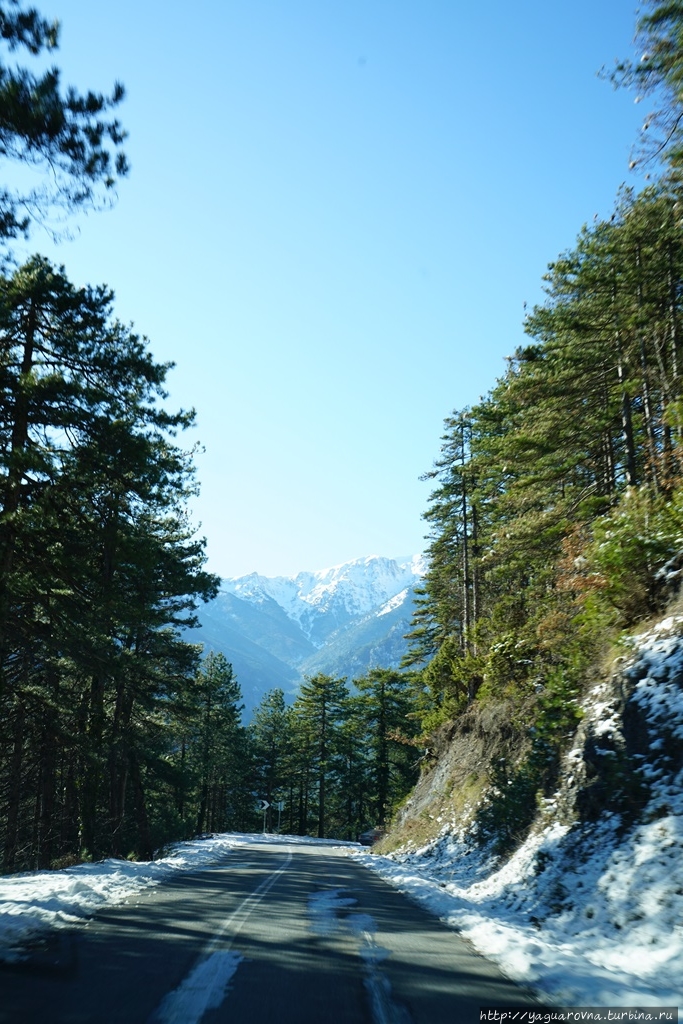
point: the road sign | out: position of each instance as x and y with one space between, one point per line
263 805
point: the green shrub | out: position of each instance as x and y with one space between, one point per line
510 808
630 544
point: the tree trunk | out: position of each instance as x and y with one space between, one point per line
645 380
12 490
203 804
322 777
46 797
93 766
626 420
14 790
119 766
144 850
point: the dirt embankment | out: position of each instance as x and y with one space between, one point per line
456 772
606 767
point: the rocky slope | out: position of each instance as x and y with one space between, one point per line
629 741
587 906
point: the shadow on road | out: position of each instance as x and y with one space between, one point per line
377 954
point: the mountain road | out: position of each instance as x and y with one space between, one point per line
281 932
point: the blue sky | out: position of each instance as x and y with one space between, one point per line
334 215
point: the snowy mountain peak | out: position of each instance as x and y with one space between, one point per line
339 593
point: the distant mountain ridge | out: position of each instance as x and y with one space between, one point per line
322 601
342 621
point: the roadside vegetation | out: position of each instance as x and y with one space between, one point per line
556 518
99 568
556 523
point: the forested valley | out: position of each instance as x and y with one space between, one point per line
115 736
555 523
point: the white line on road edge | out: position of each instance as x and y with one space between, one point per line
205 987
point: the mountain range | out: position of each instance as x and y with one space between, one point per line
342 621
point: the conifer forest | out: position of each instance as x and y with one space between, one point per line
554 523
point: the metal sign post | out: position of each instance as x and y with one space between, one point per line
263 805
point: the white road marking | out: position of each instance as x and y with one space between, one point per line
203 989
206 986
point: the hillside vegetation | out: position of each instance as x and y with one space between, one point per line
556 519
556 526
586 910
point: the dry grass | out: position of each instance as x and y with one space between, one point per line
449 791
456 805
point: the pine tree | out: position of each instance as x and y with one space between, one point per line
383 706
67 136
270 731
219 744
98 567
319 709
658 72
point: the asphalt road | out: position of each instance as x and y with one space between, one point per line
276 934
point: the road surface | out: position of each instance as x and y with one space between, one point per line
277 933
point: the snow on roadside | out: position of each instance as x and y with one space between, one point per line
588 914
32 902
35 902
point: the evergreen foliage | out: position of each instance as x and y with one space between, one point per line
319 708
557 502
99 570
341 758
383 706
220 746
558 498
563 484
657 72
112 738
69 137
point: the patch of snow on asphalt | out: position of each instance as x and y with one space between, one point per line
323 907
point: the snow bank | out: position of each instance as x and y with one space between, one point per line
584 914
34 902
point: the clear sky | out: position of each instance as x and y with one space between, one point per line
334 215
